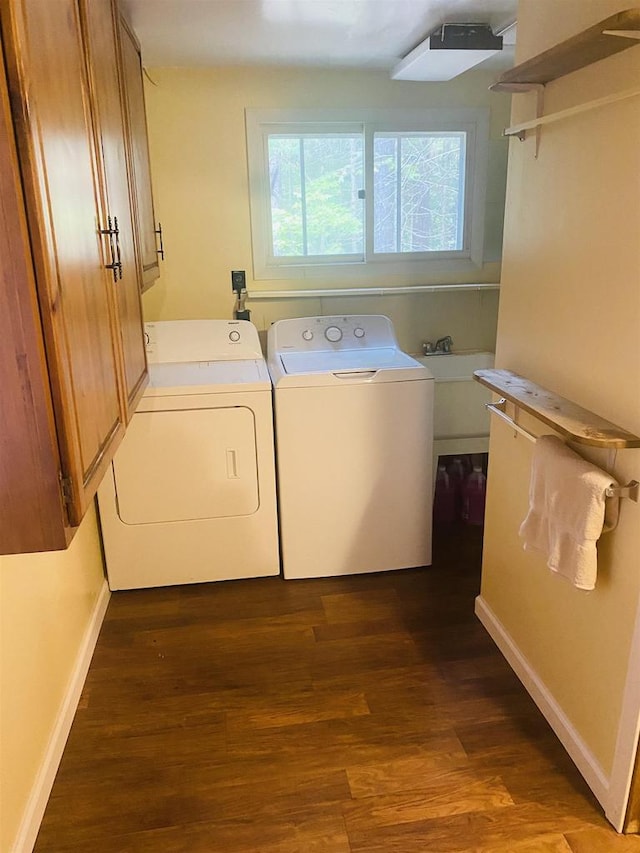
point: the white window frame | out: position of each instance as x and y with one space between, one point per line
472 121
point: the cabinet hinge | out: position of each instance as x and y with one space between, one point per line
65 488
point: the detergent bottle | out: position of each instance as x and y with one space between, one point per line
444 502
457 475
474 494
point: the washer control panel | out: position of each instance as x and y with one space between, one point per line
310 334
333 334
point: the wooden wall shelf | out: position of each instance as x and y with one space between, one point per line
570 420
610 36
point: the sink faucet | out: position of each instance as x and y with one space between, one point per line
444 344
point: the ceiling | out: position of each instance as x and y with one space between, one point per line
320 33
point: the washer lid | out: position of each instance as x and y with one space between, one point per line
207 377
313 369
382 358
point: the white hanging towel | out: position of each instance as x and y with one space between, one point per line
567 510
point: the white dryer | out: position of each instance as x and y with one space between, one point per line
354 433
190 495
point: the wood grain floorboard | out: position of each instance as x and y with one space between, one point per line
601 841
552 843
364 714
408 774
464 831
451 793
298 708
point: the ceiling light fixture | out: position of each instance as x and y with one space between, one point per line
448 52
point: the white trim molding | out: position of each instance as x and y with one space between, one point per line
624 758
580 753
408 290
41 790
612 793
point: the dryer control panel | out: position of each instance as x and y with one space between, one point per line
177 341
328 334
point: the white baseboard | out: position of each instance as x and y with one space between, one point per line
581 755
624 759
37 802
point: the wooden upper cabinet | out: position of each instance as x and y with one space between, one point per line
48 86
100 23
139 147
28 444
72 344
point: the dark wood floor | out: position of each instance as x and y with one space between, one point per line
367 714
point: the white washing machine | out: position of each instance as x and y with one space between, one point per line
190 495
354 435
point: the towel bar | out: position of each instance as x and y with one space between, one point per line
498 409
631 490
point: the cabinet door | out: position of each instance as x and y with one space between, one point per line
49 89
137 121
100 21
32 516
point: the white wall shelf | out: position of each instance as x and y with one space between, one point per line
520 130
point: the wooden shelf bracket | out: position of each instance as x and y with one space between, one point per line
521 131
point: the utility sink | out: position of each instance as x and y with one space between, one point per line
457 366
460 418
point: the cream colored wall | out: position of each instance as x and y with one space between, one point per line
46 603
569 319
198 158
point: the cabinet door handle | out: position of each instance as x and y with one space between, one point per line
160 251
118 259
115 266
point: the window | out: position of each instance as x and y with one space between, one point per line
314 186
418 192
390 189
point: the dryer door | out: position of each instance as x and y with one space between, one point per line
187 464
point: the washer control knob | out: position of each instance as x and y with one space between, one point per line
307 335
358 332
333 334
234 336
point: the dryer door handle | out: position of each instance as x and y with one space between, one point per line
232 464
